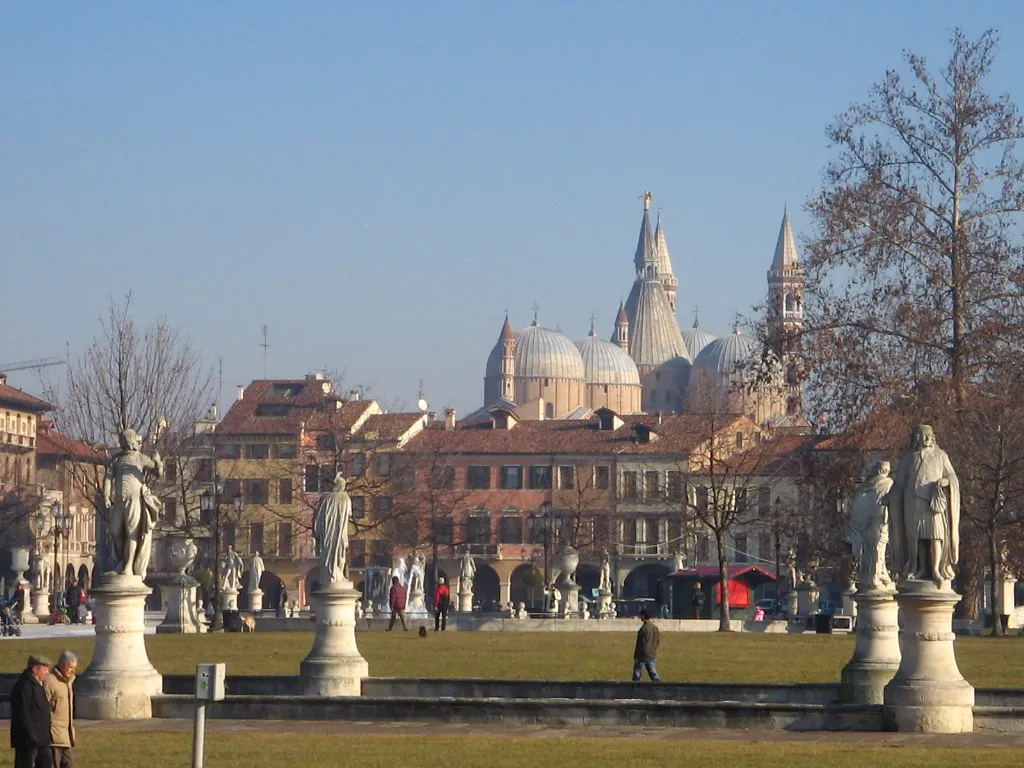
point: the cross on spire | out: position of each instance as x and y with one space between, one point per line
593 319
536 310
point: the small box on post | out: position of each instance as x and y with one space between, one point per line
210 682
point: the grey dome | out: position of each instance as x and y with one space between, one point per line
731 359
696 339
606 363
543 353
494 360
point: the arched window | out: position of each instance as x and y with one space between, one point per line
549 410
790 302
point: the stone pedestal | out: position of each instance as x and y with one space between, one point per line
806 598
255 600
39 609
1006 604
416 608
876 656
465 601
334 666
570 593
120 679
792 604
504 592
182 615
229 599
928 693
604 604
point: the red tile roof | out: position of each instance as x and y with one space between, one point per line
50 442
676 434
15 398
389 427
880 431
268 409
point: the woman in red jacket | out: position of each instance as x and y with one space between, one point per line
442 601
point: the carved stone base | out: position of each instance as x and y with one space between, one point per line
229 599
806 598
876 656
40 608
570 600
120 679
465 601
334 666
792 604
928 693
182 612
255 600
416 609
604 604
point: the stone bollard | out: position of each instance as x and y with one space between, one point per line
120 680
40 608
334 666
876 656
928 694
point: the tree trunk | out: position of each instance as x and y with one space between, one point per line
723 575
969 574
996 608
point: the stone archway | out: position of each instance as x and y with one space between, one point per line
643 580
83 576
69 575
486 588
588 576
271 585
526 584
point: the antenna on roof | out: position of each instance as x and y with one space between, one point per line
266 346
420 402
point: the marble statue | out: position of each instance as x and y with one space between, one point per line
133 509
400 568
467 573
555 597
678 561
330 532
416 572
256 568
924 511
605 583
231 570
42 574
868 528
791 570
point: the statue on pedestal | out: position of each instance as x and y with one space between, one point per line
400 568
792 574
416 572
133 508
42 574
605 583
256 568
330 532
231 571
924 509
868 528
467 572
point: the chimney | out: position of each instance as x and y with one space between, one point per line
353 394
241 392
431 415
449 418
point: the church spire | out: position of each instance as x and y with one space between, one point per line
621 336
646 257
786 309
785 247
668 279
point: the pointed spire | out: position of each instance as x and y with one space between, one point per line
622 318
621 335
661 246
785 248
507 334
646 250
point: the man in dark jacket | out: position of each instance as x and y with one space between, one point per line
30 716
698 600
442 602
397 600
72 598
646 652
18 601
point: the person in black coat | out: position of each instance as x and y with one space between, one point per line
18 601
30 716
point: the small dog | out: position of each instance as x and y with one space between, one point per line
248 624
423 631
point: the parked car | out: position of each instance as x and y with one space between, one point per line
630 608
828 607
772 606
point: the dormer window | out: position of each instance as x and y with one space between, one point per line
607 420
644 434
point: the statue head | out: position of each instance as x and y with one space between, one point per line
882 468
923 437
255 554
339 482
130 440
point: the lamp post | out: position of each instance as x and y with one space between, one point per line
62 522
776 526
543 525
210 507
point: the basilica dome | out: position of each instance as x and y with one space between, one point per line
606 363
543 353
696 339
732 359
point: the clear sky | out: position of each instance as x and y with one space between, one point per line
378 182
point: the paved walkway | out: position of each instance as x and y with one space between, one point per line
360 728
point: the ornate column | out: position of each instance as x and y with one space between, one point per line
876 656
334 666
255 600
120 679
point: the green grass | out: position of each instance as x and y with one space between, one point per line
132 749
684 656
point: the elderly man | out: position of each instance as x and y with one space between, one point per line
58 687
30 716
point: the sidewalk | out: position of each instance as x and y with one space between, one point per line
358 728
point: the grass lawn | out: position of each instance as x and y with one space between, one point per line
156 750
684 656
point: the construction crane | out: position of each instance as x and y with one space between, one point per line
27 364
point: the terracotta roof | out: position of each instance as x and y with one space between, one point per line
389 426
287 406
783 455
15 398
50 442
676 434
880 431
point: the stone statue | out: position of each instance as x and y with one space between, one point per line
231 571
924 510
400 568
868 528
256 569
467 572
605 583
678 561
133 509
42 574
791 571
416 572
330 532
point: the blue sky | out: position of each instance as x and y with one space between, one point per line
378 182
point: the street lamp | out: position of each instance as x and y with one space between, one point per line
776 526
542 525
209 506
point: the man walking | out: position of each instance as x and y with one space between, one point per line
442 601
58 687
30 716
698 600
72 597
646 652
397 600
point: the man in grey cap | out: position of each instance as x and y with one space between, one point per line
30 716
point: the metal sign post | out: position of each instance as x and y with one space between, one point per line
209 687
